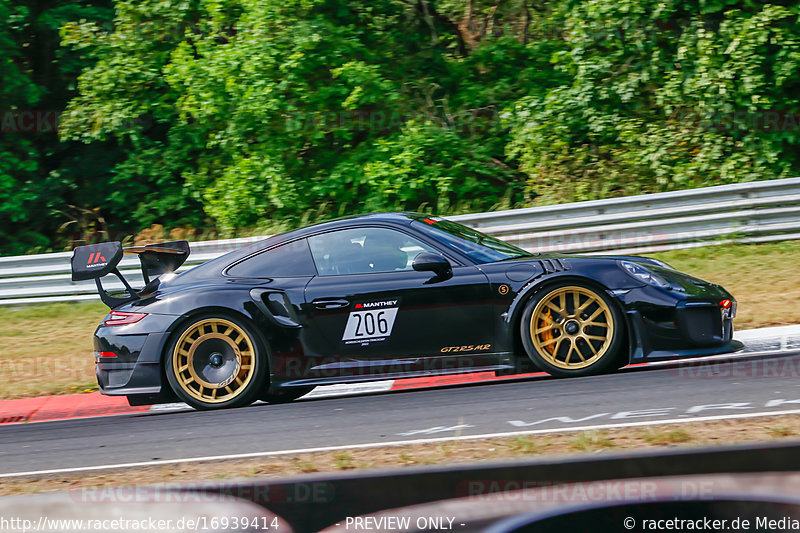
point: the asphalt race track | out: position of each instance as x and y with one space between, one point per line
635 396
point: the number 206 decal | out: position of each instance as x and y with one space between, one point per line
370 325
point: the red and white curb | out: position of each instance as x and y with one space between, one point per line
88 405
67 407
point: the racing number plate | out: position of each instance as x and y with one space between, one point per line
370 325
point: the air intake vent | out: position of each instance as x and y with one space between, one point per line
553 265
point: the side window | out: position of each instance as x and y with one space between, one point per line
287 260
364 250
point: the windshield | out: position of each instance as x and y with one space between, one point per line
478 246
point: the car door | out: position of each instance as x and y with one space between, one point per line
368 305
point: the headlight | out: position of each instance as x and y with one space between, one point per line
643 274
662 264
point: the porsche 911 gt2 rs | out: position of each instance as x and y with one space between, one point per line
384 296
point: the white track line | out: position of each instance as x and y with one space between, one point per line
397 443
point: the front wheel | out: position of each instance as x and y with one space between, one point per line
572 330
216 362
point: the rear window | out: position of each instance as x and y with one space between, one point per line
287 260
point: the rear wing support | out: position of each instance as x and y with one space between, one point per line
115 301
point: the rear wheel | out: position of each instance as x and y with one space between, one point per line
572 330
216 362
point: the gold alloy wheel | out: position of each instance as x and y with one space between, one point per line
572 328
214 360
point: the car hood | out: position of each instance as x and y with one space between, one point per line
692 287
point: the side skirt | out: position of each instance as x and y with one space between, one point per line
505 363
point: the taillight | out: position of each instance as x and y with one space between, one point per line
119 318
725 304
106 354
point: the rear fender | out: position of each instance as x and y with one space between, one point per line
238 301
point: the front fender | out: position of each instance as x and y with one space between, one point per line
621 284
604 276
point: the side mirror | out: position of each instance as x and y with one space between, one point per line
430 262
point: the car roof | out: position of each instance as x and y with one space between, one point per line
216 265
398 218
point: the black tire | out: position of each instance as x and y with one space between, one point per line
216 361
285 395
578 330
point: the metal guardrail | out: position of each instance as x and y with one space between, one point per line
45 278
759 211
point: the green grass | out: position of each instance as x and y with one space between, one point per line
661 437
528 445
591 441
762 278
47 349
343 461
306 466
780 431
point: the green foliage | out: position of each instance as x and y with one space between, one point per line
265 110
231 115
664 96
39 177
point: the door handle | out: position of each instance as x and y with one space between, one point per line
330 303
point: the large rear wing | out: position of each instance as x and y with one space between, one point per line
98 260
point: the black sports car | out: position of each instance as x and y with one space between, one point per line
382 296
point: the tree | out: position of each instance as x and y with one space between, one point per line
39 176
269 110
664 96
